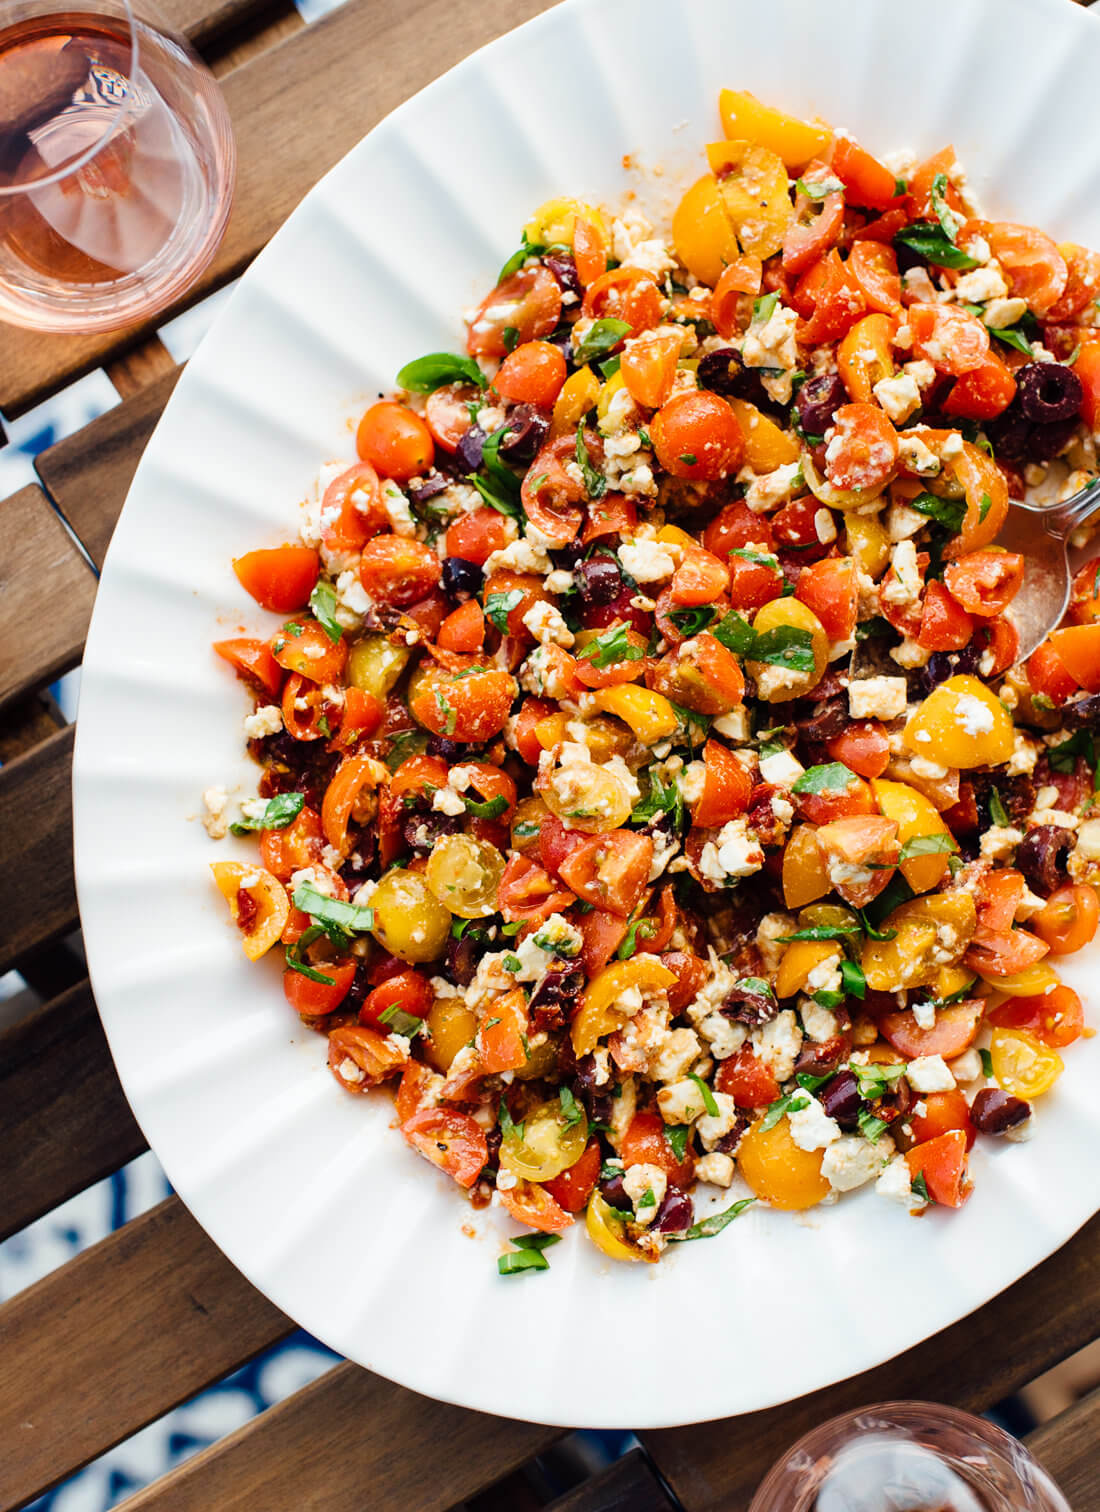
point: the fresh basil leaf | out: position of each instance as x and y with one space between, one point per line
920 1187
901 186
1063 757
817 189
688 458
571 1109
492 808
595 483
534 1241
997 811
498 606
825 998
819 932
647 1199
786 646
512 962
500 502
613 1167
322 601
610 367
278 813
404 744
871 932
706 1228
447 710
763 308
397 1021
500 474
950 223
762 559
873 629
426 374
1012 337
609 647
509 1129
708 1096
295 957
599 339
515 1262
793 1102
946 512
736 634
870 1127
331 910
896 892
876 1077
855 983
833 778
510 337
639 929
660 799
690 621
928 241
813 1083
676 1135
987 1063
984 507
927 845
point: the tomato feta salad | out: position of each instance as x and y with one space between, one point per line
650 792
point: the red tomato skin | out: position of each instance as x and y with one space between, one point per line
395 441
281 578
1057 1018
944 624
572 1189
867 181
317 999
943 1111
475 536
862 747
406 990
253 663
726 790
532 374
465 1151
942 1162
747 1080
830 588
644 1143
696 435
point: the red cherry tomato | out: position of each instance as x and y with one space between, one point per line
448 414
952 1033
747 1080
528 303
624 294
1034 268
874 267
572 1189
452 1141
352 510
829 300
867 181
315 999
697 435
553 496
281 578
464 628
285 851
645 1143
648 366
406 991
943 1111
983 393
985 582
532 374
863 448
609 871
395 441
1057 1018
952 340
397 570
475 536
944 623
302 646
863 747
831 589
942 1163
527 891
727 787
528 1202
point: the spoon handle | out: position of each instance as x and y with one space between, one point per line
1064 518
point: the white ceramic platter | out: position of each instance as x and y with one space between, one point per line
307 1190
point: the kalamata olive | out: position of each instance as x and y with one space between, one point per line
595 1097
1017 794
357 992
469 448
1047 441
938 668
615 1194
750 1005
1009 434
527 428
728 1143
598 580
566 557
564 269
1048 391
548 1005
824 720
1082 713
452 750
461 579
460 961
994 1111
841 1100
424 831
492 1144
817 401
675 1214
433 483
821 1059
1041 856
724 373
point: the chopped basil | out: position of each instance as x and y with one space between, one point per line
322 601
763 308
643 437
920 1187
812 1083
326 910
756 986
676 1136
594 482
870 931
928 241
870 1127
498 606
278 813
609 647
397 1021
639 929
610 366
535 1241
295 956
946 512
515 1262
647 1199
855 983
987 1062
690 621
762 559
509 1129
706 1228
512 928
786 646
900 186
500 474
614 1166
323 726
997 811
426 374
708 1096
690 721
817 189
599 339
950 223
828 999
793 1102
819 932
404 744
660 800
1012 337
896 892
876 1077
492 808
927 845
689 459
571 1109
512 962
510 337
833 778
1063 758
446 708
495 500
984 506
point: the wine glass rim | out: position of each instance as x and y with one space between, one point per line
73 165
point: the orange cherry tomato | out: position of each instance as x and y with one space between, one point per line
531 590
815 229
628 667
553 496
1002 643
285 851
831 589
395 441
528 1202
648 366
867 181
280 579
609 871
532 374
452 1141
528 303
752 583
1004 952
644 1143
735 525
828 299
612 515
572 1189
603 933
416 1079
851 802
1084 604
532 712
952 340
363 716
696 435
863 451
475 536
447 411
352 510
925 175
590 251
944 623
986 493
1034 268
726 789
700 579
951 1034
302 646
983 393
942 1163
463 629
1057 1018
397 570
253 663
701 674
490 784
731 302
943 1111
355 776
1087 368
862 747
1068 922
406 991
501 1045
747 1080
1082 282
874 267
1079 649
624 294
373 1057
470 703
419 774
304 706
985 582
527 891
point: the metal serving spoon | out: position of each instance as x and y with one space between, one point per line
1040 533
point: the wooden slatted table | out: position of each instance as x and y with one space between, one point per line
154 1313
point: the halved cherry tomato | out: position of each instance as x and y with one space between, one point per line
415 1082
874 267
361 1058
614 514
1004 952
701 674
532 712
253 663
1069 920
944 623
302 646
985 582
362 718
494 787
447 412
865 356
306 709
753 583
629 666
735 525
1082 282
943 1111
572 1189
419 774
529 586
1079 648
863 452
1084 604
603 934
700 579
925 175
867 181
590 251
862 747
452 1141
553 496
395 441
815 229
624 294
831 589
1034 268
1001 640
463 629
644 1143
475 536
952 340
731 303
556 843
828 299
1056 1018
502 1035
406 991
983 393
352 509
527 891
942 1163
469 702
528 303
747 1080
532 374
851 802
281 578
397 570
609 871
355 777
696 435
648 366
285 851
951 1034
986 491
528 1202
727 787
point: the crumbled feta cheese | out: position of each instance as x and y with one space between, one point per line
852 1161
647 561
680 1102
1020 1133
924 1014
811 1127
903 522
635 246
317 877
778 1042
543 676
922 373
352 600
929 1073
723 1036
910 653
895 1182
770 930
819 1023
547 626
783 769
1000 314
1025 753
824 527
734 725
645 1185
771 344
916 458
877 698
518 556
558 581
765 491
966 1067
735 852
906 585
214 821
1088 840
980 285
712 1127
446 801
952 447
899 396
678 1051
691 782
998 843
559 937
973 715
715 1168
397 508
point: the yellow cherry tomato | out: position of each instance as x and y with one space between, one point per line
756 193
704 239
929 933
796 142
579 393
961 724
451 1026
867 540
918 821
269 898
799 959
608 1233
1031 982
648 714
805 878
545 1144
778 684
601 1012
553 222
777 1170
409 920
1022 1064
766 446
464 875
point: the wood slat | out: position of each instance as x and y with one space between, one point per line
116 1337
629 1485
203 22
972 1364
369 55
1069 1447
87 475
37 891
64 1120
28 721
349 1441
46 594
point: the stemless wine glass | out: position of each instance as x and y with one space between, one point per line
117 165
908 1457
